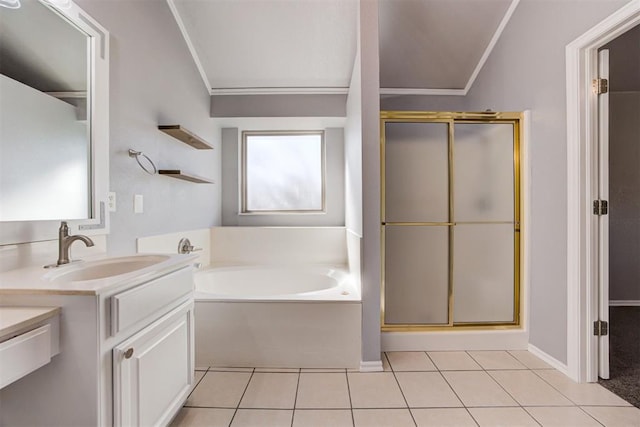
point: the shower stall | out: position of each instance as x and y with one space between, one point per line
451 215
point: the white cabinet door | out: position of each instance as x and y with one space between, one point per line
153 370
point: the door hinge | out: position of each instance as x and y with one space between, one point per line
600 207
600 328
600 86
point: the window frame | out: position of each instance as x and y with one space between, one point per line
243 174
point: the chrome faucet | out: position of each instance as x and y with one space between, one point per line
64 243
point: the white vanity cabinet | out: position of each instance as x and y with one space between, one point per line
126 353
153 370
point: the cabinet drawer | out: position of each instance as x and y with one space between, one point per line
129 307
24 354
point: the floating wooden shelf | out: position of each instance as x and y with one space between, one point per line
185 136
178 174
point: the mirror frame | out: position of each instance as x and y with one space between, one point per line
15 232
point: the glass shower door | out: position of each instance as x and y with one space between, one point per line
484 215
450 220
416 223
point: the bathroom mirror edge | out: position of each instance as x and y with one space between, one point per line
16 232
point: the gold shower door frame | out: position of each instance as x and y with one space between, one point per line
451 118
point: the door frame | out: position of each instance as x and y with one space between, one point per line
582 181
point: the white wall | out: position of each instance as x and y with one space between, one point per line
154 81
353 151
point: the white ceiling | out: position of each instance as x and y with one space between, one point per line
256 46
271 43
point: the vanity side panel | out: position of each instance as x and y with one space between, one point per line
66 391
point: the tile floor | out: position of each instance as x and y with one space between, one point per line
473 388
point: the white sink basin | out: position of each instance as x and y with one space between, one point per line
104 268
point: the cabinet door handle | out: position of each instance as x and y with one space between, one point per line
128 353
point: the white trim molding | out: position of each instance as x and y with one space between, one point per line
624 303
280 91
555 363
581 61
492 44
417 91
373 366
187 39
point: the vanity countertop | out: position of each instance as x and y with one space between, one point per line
37 280
15 319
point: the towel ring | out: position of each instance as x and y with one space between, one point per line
137 154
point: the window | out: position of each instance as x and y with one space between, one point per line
283 172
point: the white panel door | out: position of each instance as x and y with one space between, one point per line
153 370
603 229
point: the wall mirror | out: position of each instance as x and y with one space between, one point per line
53 120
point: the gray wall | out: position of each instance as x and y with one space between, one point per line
624 173
526 70
154 81
422 103
370 110
334 186
624 196
271 105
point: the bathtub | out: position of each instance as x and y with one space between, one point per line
269 283
277 316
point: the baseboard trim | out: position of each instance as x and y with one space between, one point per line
624 303
555 363
375 366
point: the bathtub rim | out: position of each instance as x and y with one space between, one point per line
333 295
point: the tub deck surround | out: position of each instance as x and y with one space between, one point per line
278 334
279 245
37 280
311 283
274 296
168 244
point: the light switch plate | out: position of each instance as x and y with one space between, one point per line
138 203
112 201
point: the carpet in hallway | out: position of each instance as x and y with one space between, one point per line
624 354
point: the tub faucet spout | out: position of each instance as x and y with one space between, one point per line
65 241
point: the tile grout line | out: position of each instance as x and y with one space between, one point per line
456 393
452 389
536 372
533 372
353 420
295 399
402 392
503 388
197 384
565 396
242 397
500 385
